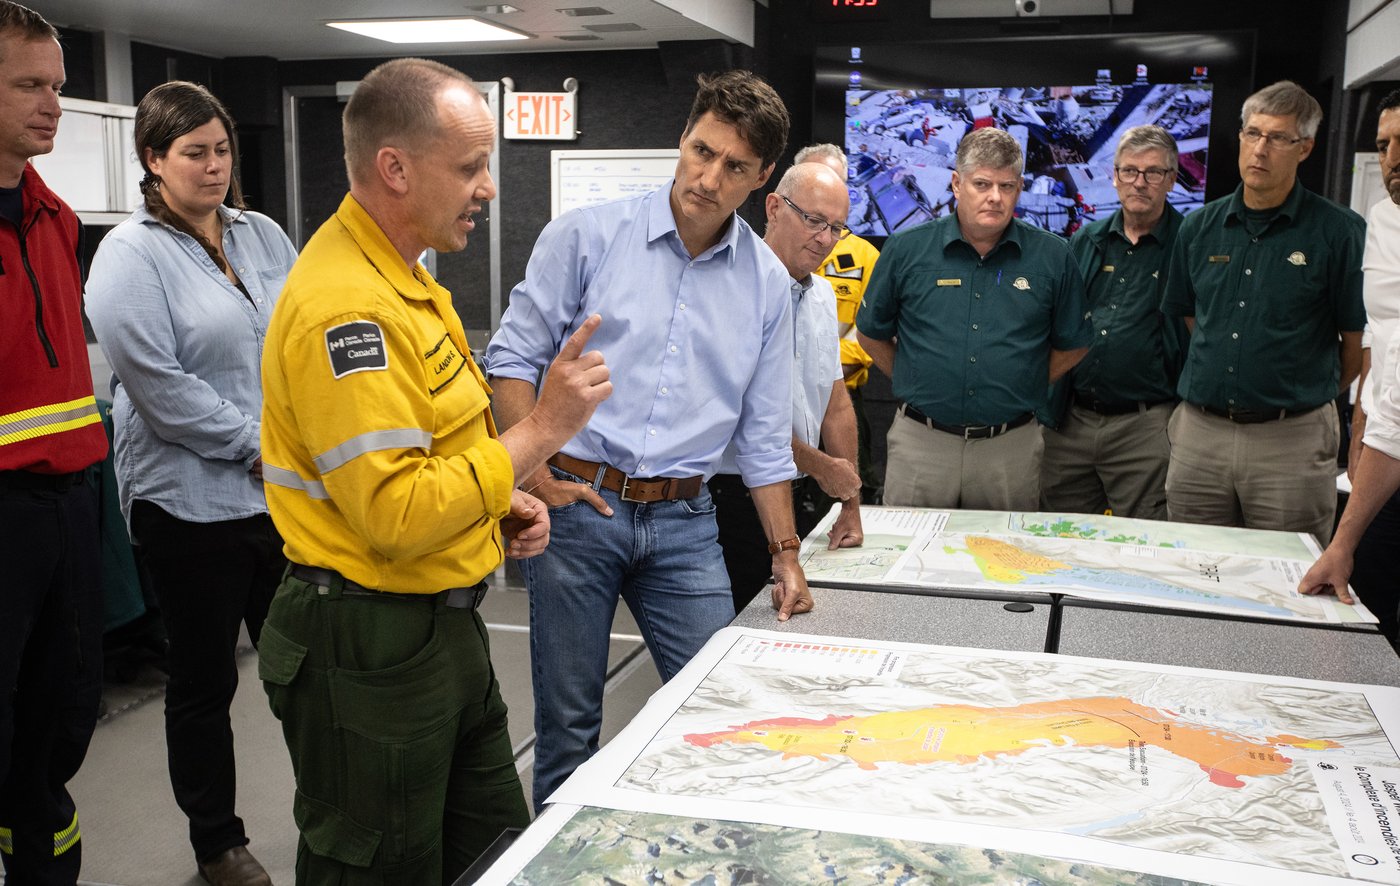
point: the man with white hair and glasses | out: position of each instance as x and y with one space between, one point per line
1269 282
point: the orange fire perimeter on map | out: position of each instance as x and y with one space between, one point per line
965 734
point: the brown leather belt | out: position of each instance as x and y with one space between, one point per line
629 488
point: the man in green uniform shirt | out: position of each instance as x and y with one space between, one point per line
971 315
1107 449
1269 281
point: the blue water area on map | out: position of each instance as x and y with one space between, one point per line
1144 586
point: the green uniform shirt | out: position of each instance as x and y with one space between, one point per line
1136 352
975 334
1268 308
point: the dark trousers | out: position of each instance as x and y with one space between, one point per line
50 675
869 480
1375 574
209 578
397 733
746 556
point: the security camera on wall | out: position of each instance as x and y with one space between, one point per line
1026 8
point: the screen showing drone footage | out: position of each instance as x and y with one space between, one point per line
900 110
901 145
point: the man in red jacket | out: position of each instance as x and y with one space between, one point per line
50 433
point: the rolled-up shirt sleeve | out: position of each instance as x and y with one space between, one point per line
1383 423
545 305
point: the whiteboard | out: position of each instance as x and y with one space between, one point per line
1367 184
77 169
582 178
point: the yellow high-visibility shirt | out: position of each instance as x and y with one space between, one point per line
379 452
848 269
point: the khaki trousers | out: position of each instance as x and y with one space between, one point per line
1096 463
934 469
1275 475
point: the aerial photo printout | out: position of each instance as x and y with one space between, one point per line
1206 775
619 847
1247 572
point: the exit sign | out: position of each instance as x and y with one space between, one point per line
541 115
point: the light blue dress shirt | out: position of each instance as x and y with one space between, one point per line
186 352
700 350
816 362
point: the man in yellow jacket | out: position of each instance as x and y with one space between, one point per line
396 497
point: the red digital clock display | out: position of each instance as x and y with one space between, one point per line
849 10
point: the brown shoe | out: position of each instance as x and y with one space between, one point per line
236 867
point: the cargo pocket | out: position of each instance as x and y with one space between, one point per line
279 660
397 728
332 834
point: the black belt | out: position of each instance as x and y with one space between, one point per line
28 481
967 432
1102 408
455 598
1253 416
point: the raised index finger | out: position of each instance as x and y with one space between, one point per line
575 345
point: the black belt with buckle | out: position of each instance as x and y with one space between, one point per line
967 432
1252 416
29 481
1102 408
454 598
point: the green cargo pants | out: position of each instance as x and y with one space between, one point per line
397 732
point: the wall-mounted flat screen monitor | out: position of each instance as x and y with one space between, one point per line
899 110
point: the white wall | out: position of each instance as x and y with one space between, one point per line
1373 52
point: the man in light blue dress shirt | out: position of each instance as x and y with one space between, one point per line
697 325
806 218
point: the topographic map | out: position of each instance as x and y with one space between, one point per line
1199 763
1132 531
1246 572
619 847
888 534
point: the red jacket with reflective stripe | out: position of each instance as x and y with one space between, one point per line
48 419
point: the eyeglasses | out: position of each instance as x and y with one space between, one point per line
1152 174
1276 140
815 224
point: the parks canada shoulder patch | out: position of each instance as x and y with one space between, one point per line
356 347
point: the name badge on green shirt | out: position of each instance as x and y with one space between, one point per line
1107 269
949 281
1219 259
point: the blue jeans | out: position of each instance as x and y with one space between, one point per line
664 560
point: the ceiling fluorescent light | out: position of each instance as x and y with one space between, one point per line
430 30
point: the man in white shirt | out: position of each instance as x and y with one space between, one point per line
1376 467
806 218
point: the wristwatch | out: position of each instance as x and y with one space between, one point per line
787 544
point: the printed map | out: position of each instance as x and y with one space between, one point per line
1180 762
609 846
1233 571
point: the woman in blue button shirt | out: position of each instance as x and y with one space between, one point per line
180 295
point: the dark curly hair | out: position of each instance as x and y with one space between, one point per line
745 101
